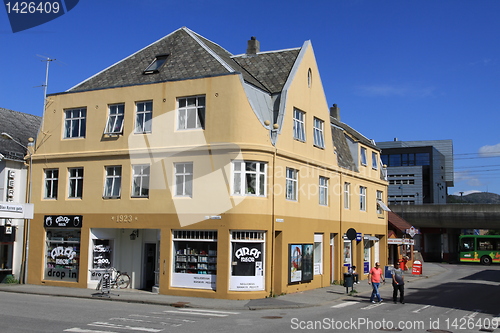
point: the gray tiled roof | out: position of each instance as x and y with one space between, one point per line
271 69
344 157
193 56
355 134
20 126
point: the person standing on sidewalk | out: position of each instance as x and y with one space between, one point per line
374 277
398 283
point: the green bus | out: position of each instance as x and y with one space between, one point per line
484 249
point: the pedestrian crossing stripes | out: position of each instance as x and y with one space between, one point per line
371 306
201 312
421 309
343 305
151 323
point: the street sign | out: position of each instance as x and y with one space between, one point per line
412 231
351 234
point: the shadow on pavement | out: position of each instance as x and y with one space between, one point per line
478 291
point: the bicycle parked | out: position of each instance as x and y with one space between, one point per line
114 278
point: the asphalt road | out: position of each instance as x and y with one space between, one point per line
463 299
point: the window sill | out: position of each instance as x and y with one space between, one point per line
189 129
113 135
249 195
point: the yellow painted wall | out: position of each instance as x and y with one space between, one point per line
232 131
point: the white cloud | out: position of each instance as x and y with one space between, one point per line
489 151
469 180
466 192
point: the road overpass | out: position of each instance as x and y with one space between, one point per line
460 216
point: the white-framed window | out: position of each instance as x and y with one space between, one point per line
143 116
140 183
75 123
292 181
362 198
75 183
51 183
299 131
319 140
347 195
379 199
323 191
363 156
113 182
116 114
184 179
191 113
374 160
249 178
318 254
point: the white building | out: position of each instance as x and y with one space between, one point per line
15 129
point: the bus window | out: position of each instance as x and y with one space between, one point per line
487 244
467 244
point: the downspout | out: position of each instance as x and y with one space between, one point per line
274 131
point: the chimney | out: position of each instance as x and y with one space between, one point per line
335 112
253 46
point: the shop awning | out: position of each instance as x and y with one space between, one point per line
397 222
383 205
372 238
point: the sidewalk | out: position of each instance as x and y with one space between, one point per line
309 298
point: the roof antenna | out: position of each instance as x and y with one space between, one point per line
47 60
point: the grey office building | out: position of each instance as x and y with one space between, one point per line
419 172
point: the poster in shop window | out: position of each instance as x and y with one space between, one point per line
247 273
307 262
301 263
247 259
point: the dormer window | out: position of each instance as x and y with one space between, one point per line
155 66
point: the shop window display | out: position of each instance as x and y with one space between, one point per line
195 260
62 254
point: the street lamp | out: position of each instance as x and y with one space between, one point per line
26 221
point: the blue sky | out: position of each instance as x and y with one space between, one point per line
412 70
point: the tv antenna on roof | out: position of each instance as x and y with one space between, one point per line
47 60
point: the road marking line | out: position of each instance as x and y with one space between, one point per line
342 305
123 327
211 311
471 315
168 318
81 330
372 306
197 313
420 309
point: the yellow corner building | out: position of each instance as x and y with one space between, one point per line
203 173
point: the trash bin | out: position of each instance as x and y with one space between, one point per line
348 280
